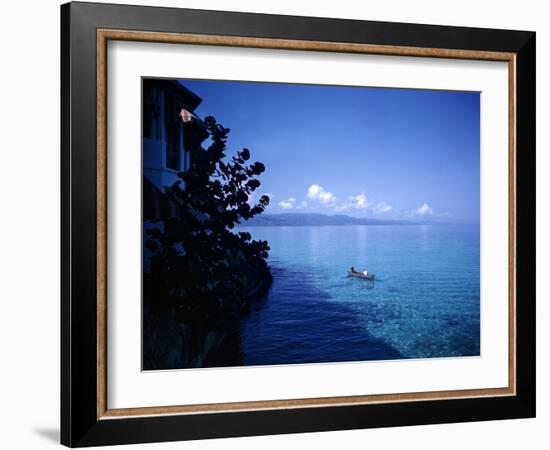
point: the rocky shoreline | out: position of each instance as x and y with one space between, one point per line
176 340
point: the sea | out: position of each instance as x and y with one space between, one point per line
423 303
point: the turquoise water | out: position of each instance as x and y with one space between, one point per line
424 302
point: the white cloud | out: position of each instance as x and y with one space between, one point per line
359 201
424 210
381 208
288 203
427 210
292 203
325 198
318 193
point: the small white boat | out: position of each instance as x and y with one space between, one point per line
368 276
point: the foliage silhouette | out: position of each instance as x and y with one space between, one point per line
198 264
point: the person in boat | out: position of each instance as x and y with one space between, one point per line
355 272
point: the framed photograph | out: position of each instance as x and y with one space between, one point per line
276 224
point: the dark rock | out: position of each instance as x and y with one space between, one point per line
172 340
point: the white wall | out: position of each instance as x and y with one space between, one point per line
29 287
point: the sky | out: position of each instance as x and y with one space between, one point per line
365 152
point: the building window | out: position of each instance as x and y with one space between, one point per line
173 147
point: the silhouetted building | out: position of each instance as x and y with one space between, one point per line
167 144
166 139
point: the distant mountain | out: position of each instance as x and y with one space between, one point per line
302 219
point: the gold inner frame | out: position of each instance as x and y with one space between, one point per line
104 35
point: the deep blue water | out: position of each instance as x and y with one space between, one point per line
424 302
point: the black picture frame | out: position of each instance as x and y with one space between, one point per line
80 425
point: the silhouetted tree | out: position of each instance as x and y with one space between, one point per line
199 264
